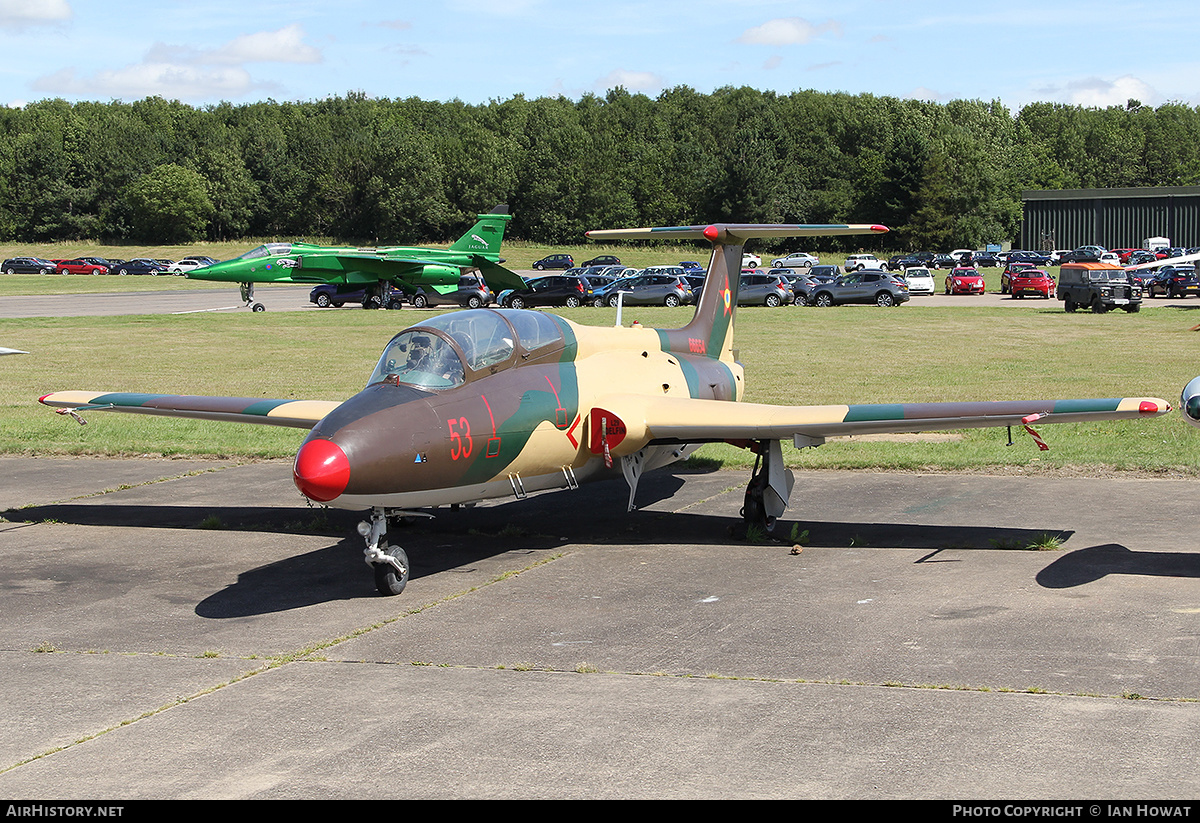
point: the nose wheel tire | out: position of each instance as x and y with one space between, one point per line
389 579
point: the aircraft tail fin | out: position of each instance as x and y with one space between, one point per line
711 330
485 236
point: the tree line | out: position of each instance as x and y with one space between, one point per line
406 170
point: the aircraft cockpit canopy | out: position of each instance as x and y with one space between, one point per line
269 250
438 353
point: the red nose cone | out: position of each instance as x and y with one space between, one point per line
321 470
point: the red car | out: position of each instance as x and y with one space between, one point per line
1032 281
964 280
78 266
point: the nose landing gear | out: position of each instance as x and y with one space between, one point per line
389 562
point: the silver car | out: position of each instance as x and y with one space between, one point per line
869 286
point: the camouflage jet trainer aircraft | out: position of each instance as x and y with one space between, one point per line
413 271
485 403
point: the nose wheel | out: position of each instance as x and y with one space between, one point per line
391 576
390 563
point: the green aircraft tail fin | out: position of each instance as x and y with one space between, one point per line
485 236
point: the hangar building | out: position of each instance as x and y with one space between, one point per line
1112 218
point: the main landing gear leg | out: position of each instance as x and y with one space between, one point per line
389 562
768 491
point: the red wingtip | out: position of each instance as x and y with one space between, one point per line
712 233
1150 407
42 399
880 229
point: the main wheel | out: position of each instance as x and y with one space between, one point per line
395 304
257 307
388 580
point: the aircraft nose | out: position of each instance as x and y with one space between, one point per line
321 470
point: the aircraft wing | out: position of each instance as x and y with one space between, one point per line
301 414
683 420
358 268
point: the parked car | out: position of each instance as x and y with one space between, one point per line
472 293
140 265
692 267
751 261
28 265
1174 281
858 262
876 287
555 261
764 289
802 285
964 280
900 262
801 259
654 289
79 266
919 280
602 260
984 260
552 290
825 273
1032 282
1006 275
943 261
1037 259
1082 254
338 295
185 265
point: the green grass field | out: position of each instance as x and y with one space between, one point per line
794 355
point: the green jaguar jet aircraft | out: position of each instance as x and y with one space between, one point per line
414 272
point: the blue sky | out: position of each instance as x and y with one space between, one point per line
1094 53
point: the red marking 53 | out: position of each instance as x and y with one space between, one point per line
460 438
697 346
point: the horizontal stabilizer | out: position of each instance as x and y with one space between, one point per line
736 233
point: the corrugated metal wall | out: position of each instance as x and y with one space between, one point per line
1114 219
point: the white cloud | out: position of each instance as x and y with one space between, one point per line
18 14
1093 91
284 45
150 79
630 80
186 73
788 31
